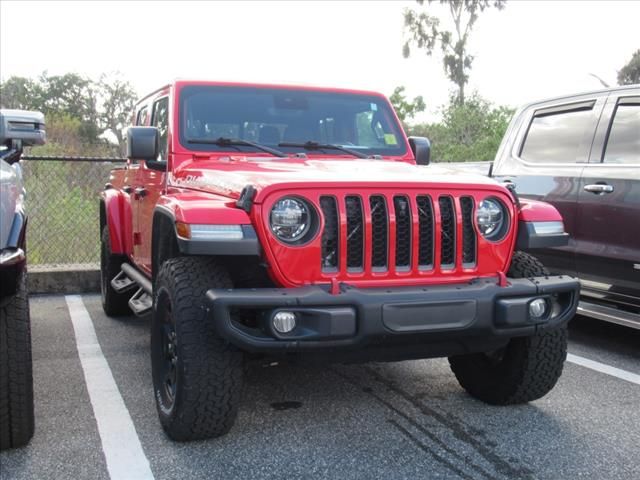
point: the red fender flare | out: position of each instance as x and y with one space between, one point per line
118 219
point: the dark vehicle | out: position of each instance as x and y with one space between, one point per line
581 153
17 129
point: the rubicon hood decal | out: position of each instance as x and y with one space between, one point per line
228 176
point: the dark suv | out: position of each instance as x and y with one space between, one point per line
581 153
18 129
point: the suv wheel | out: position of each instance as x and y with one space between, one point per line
197 376
16 378
527 368
114 304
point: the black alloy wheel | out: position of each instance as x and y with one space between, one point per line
164 344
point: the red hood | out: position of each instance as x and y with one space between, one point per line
227 176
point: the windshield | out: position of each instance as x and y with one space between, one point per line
277 117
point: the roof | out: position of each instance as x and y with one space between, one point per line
588 92
184 82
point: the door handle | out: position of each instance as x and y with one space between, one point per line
598 188
127 189
140 191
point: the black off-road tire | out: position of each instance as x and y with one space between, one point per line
16 377
524 265
523 371
114 304
197 389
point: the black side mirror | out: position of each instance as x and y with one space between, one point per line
142 143
421 148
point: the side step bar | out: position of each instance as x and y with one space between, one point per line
121 283
129 277
609 314
134 274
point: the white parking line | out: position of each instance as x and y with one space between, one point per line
120 443
604 368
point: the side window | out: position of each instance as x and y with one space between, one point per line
623 144
160 119
142 117
560 136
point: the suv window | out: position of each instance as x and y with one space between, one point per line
141 119
160 119
623 145
560 136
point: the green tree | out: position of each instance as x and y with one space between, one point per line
21 93
98 107
425 32
73 95
118 100
630 73
406 109
469 132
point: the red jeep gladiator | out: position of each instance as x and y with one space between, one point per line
256 220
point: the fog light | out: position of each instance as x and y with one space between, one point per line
284 322
538 308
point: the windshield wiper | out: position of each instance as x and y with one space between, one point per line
320 146
230 142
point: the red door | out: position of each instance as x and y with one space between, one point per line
149 185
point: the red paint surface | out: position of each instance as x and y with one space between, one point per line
536 211
202 187
298 265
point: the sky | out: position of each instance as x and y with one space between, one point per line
528 51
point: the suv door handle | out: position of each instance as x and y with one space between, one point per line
598 188
140 191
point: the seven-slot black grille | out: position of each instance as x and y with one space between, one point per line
404 207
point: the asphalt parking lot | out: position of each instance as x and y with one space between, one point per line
402 420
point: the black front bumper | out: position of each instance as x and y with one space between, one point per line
461 318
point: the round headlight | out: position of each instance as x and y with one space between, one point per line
290 219
490 218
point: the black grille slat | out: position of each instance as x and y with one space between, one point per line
379 231
402 210
355 232
330 234
425 227
447 232
468 233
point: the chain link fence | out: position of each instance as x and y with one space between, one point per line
63 210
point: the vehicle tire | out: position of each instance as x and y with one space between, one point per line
197 376
16 377
526 369
114 304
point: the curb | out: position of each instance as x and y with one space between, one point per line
72 278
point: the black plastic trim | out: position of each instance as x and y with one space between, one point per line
401 314
16 234
248 246
245 202
528 239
